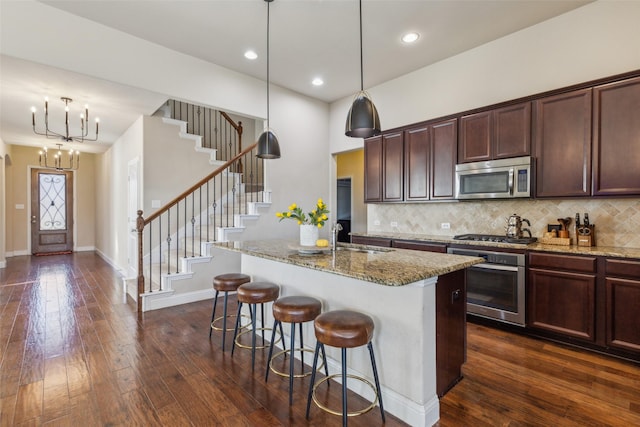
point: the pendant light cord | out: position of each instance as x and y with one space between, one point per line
361 61
268 8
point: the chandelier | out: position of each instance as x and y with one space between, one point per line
59 164
84 123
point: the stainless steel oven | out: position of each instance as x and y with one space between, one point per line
495 288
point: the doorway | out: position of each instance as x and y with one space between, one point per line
343 215
51 211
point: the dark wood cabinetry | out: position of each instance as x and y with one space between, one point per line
622 304
430 159
561 295
373 170
616 138
495 134
420 246
384 166
372 241
562 144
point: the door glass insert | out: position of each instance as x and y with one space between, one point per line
52 202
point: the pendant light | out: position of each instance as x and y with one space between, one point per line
268 146
363 120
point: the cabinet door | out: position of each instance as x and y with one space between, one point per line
561 302
616 139
451 330
417 158
392 167
419 246
563 144
371 241
373 169
512 131
444 141
475 137
623 302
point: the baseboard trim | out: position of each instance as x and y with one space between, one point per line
156 302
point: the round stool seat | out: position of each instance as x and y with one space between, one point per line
344 328
258 292
296 309
229 282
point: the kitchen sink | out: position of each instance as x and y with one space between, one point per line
363 250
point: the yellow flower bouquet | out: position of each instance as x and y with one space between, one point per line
316 217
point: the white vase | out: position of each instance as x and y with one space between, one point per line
308 234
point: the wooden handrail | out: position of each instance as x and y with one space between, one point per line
198 184
238 127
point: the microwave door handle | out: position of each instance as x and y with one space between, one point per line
511 181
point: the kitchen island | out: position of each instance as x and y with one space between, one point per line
396 287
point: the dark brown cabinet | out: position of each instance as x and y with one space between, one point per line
384 166
495 134
616 138
561 295
562 144
430 158
622 285
372 241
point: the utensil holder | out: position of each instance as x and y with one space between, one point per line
585 235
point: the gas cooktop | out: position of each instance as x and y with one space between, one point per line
494 238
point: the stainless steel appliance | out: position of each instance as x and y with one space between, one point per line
495 288
494 179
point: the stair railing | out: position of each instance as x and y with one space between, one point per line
182 225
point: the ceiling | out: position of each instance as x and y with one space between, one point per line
308 39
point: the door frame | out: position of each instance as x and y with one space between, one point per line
29 199
132 216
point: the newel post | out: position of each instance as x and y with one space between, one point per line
140 229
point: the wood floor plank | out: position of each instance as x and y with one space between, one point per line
73 351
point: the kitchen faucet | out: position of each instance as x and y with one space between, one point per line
334 235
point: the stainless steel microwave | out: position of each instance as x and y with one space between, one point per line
494 179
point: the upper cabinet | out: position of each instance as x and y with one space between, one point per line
616 138
562 144
430 158
384 168
495 134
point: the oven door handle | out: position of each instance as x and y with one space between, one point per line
495 267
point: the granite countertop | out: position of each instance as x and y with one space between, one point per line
610 251
384 266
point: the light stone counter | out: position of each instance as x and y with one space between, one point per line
396 287
384 266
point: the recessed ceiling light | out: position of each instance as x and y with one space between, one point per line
410 37
317 81
250 54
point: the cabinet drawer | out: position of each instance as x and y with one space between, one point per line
420 246
563 262
623 268
373 241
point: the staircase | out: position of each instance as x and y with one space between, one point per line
175 244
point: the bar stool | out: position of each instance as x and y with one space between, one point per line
293 310
225 283
254 293
344 329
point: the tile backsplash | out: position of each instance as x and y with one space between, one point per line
617 221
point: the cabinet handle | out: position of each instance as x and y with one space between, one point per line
455 295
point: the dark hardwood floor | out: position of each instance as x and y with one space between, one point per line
74 352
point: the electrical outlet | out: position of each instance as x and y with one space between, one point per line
376 222
394 224
445 225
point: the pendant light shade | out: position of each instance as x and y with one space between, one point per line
363 120
268 146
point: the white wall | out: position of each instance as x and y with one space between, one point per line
594 41
3 198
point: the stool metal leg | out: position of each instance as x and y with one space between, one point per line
344 386
273 339
313 375
253 335
301 346
235 330
291 359
224 320
213 314
375 376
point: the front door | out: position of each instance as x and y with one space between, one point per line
51 211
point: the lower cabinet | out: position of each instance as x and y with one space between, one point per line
372 241
622 285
